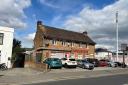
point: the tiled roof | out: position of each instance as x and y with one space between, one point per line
61 34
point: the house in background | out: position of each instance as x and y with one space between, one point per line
59 43
6 41
102 53
120 56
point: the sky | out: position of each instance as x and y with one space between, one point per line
97 17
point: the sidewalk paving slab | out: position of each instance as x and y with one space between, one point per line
26 75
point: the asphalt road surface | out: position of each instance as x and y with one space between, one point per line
107 80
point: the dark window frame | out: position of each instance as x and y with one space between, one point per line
1 38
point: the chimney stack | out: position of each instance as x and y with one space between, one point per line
39 22
39 25
85 33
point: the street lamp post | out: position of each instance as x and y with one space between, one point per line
117 36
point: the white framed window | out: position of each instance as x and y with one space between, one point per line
86 45
63 43
72 44
80 45
54 42
1 38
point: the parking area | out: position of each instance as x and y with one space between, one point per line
80 69
27 75
29 71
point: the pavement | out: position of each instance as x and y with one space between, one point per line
18 76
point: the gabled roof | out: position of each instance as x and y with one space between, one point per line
61 34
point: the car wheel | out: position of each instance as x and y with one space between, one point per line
60 67
110 65
49 67
83 66
91 68
65 65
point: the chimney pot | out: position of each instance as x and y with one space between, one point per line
39 22
85 33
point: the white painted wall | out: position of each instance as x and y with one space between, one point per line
103 55
6 48
120 58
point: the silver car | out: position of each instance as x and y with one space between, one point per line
85 64
112 64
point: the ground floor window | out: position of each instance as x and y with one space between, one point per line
80 56
38 57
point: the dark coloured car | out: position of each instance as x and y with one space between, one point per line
103 63
85 64
119 64
93 61
53 62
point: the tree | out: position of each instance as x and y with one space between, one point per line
16 48
16 45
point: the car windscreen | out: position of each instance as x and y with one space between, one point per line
72 59
63 59
85 61
55 59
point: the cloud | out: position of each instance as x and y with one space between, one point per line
49 3
100 23
12 13
27 40
56 19
30 37
63 5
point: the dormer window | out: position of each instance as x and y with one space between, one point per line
80 45
68 44
63 43
72 44
54 42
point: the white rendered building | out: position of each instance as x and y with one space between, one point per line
6 42
103 54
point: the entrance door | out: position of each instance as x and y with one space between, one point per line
20 60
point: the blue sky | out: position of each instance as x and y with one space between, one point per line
75 15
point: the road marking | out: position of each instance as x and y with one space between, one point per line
125 84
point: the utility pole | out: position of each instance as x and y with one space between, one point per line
117 35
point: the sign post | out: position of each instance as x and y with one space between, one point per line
123 48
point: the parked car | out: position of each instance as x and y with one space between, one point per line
93 61
119 64
69 62
85 64
103 63
112 64
53 62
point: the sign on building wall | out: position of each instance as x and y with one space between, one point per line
80 56
123 46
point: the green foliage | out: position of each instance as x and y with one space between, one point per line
16 48
16 45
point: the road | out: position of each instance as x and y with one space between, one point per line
107 80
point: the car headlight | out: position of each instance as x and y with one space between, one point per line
87 65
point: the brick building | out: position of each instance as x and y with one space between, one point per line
54 42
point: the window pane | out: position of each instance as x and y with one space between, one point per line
1 38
